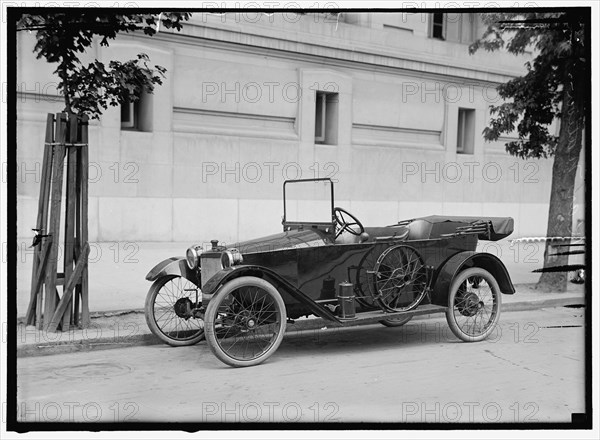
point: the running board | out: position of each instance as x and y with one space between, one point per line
378 315
361 318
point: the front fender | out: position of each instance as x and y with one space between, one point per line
464 260
225 275
173 266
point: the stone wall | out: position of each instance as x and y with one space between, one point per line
236 117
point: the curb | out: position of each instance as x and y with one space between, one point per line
48 349
147 339
519 306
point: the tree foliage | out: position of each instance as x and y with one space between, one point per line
90 89
556 85
534 100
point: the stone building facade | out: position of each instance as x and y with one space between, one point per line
390 105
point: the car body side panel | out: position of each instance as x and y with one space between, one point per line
306 269
316 265
287 290
463 260
300 272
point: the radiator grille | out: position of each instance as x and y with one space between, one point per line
210 264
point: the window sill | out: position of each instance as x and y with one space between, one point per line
135 130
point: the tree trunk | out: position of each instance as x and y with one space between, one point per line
564 171
62 73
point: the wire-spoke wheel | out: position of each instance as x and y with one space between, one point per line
245 321
473 305
400 279
169 314
397 321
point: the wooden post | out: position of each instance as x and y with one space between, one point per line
78 244
42 221
70 214
66 135
39 277
57 181
65 301
84 166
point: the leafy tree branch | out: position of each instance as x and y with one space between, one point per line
556 86
62 37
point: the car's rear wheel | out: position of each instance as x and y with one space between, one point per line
396 322
473 305
169 314
245 322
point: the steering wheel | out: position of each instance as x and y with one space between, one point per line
343 225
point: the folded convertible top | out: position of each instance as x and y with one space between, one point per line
434 226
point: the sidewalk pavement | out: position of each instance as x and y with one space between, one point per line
129 328
118 289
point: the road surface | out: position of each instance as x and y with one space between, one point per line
530 370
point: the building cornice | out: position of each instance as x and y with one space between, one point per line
353 54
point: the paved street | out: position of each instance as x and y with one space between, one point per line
532 369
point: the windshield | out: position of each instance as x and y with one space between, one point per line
308 201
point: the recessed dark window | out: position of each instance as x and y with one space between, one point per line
466 131
326 117
137 115
129 112
437 26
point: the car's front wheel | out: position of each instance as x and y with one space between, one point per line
169 314
473 305
245 321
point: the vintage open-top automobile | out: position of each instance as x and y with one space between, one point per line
326 263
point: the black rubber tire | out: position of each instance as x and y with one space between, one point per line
150 312
453 312
214 331
396 322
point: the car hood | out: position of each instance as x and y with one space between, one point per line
294 239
